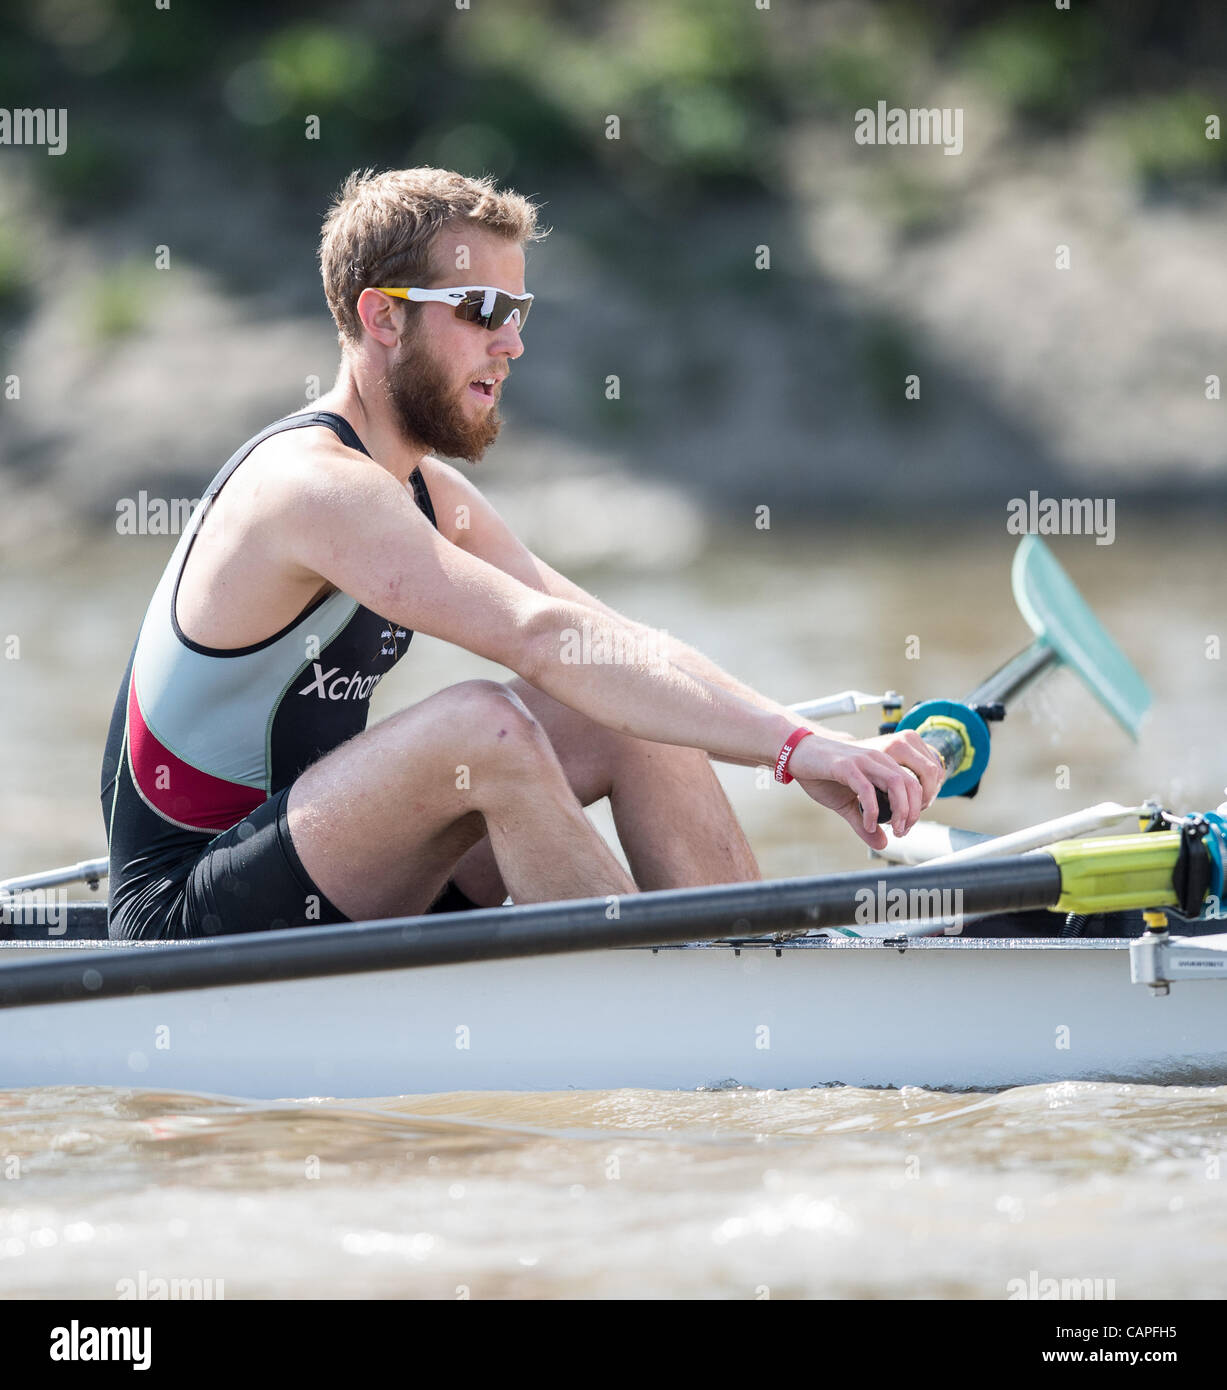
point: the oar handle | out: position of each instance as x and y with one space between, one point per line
948 744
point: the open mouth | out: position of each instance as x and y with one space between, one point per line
483 387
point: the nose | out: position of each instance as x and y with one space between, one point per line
507 341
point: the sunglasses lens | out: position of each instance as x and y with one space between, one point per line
505 307
469 308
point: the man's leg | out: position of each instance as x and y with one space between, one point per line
673 819
381 821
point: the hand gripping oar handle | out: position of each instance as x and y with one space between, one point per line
947 737
957 733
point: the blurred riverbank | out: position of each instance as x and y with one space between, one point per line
736 299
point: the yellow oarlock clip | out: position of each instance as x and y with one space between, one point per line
943 721
1117 873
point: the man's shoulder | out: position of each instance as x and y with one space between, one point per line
306 435
296 463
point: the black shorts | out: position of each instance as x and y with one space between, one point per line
247 879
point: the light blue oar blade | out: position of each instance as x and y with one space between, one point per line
1058 614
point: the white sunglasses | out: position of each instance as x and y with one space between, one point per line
482 304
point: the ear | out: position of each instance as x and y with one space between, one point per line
380 317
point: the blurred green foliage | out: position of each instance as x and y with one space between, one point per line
524 89
320 65
692 87
116 303
885 57
887 357
914 205
96 172
15 285
1040 70
1165 137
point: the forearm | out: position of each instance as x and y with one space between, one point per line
626 677
702 668
684 657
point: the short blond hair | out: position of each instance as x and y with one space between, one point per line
381 228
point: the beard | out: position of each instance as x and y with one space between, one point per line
430 410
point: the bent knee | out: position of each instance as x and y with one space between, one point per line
490 702
485 718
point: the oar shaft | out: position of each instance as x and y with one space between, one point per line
643 919
1010 680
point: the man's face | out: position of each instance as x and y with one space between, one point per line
433 383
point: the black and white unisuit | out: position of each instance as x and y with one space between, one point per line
205 744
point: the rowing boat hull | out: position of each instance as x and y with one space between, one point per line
944 1013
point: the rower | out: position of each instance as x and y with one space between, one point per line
242 788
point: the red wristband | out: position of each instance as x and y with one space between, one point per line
781 763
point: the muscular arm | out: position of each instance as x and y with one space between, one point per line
355 525
691 660
485 533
